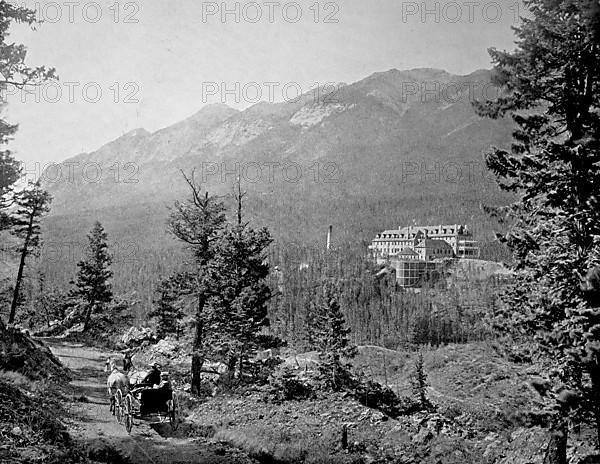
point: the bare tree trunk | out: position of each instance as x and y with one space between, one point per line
197 362
197 354
231 363
556 452
88 316
15 299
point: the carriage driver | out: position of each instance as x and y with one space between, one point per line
165 383
153 377
155 396
163 389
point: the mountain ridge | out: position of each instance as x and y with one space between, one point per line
379 152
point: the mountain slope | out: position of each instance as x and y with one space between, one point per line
394 147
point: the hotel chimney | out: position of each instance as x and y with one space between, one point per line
329 236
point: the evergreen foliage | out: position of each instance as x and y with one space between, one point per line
168 310
419 383
237 308
14 73
197 222
333 339
93 285
551 90
229 279
31 204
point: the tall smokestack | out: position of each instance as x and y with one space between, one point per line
329 236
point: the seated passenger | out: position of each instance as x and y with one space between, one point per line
155 399
153 377
165 383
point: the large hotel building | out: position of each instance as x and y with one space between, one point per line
413 250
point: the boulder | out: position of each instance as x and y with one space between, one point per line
135 336
308 361
165 349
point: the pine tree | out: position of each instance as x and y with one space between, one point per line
238 311
32 203
333 339
168 311
94 274
419 383
14 73
198 222
551 88
311 322
10 172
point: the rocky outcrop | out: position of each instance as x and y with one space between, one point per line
136 336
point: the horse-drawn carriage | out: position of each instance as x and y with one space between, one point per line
134 398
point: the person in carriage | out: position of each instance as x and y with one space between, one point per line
154 391
153 376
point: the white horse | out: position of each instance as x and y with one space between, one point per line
117 382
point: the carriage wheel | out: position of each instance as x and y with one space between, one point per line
118 406
173 411
128 413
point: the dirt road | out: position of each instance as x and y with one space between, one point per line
94 425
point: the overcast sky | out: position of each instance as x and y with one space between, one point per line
157 62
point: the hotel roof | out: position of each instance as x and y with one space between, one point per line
407 252
432 243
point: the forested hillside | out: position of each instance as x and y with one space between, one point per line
398 147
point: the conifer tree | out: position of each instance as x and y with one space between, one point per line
198 222
94 274
551 86
333 339
238 311
419 383
311 321
14 74
168 311
10 172
32 203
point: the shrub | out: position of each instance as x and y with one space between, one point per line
419 383
374 395
288 386
260 371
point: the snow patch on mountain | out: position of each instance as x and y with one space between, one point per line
311 115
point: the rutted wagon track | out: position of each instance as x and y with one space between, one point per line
108 441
